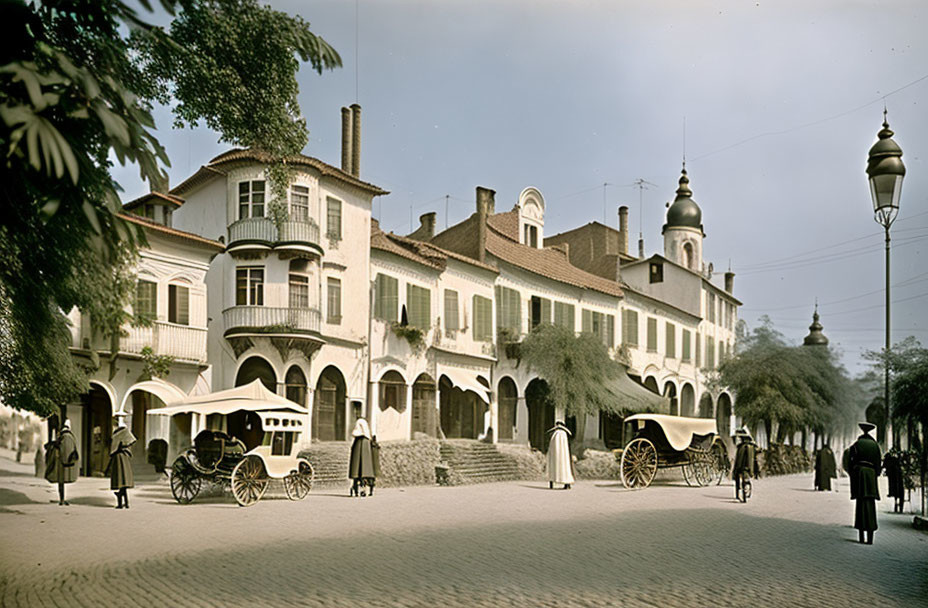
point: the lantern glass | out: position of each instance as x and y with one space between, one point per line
885 191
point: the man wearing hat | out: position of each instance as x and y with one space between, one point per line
120 466
559 463
745 466
864 459
61 461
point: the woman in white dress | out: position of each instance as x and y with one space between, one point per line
559 464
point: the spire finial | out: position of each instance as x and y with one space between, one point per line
885 115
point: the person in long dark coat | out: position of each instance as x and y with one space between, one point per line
826 468
120 466
61 461
361 462
865 460
745 466
892 465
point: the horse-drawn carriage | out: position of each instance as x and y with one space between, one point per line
273 424
660 441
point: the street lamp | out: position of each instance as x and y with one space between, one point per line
885 172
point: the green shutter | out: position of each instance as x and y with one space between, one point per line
686 345
652 334
698 349
483 319
418 306
586 321
515 311
387 299
670 339
610 331
452 316
545 310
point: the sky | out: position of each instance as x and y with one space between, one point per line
774 104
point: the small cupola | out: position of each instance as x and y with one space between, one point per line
684 212
815 337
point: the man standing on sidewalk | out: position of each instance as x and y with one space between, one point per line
62 460
864 459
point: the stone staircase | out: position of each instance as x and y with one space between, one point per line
473 461
329 460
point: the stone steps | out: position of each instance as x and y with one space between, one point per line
473 461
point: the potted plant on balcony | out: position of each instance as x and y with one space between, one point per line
509 341
414 335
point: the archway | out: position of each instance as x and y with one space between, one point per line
507 397
723 415
540 413
650 383
295 382
257 368
670 391
687 400
96 430
423 405
329 406
461 412
705 406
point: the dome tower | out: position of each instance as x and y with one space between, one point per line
815 337
683 232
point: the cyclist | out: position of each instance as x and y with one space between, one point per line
745 464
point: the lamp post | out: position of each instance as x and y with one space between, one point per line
885 172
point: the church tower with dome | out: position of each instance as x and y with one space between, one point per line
683 232
815 337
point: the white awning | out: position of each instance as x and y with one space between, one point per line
165 391
254 397
467 381
679 430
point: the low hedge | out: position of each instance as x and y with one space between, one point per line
780 459
597 464
408 463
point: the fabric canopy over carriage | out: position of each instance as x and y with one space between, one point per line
662 441
223 459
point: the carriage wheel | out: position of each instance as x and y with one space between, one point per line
719 461
249 481
704 470
185 483
689 474
639 463
299 483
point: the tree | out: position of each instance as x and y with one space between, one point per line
575 368
76 89
909 401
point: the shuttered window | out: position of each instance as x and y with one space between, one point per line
452 315
564 315
178 305
541 311
686 345
710 352
386 303
334 301
610 331
670 339
483 319
652 335
698 349
418 306
630 327
600 325
146 299
333 222
508 309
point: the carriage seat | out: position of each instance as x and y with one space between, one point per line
209 447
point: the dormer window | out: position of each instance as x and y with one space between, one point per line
531 236
656 274
251 199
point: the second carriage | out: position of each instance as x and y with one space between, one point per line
660 441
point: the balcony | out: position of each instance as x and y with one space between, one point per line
296 328
179 341
261 234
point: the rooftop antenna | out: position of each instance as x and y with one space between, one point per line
604 201
642 185
447 196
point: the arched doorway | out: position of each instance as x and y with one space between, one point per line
507 396
96 430
295 382
650 383
256 368
423 405
705 406
329 406
670 391
540 413
461 412
723 415
687 400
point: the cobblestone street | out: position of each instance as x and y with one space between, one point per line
506 544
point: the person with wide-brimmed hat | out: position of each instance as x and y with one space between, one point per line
864 459
120 465
745 466
559 463
61 460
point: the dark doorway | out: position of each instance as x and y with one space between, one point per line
687 400
256 368
423 405
329 406
670 391
540 413
461 412
723 415
651 384
611 429
705 406
296 385
507 399
97 426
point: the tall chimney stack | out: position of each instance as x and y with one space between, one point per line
486 206
355 139
641 248
730 281
426 229
346 140
623 229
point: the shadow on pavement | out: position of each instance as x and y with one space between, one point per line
12 497
92 501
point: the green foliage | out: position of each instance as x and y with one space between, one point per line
414 335
155 366
574 367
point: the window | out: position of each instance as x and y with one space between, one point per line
656 274
600 325
299 203
508 310
688 259
483 319
564 315
531 236
652 335
333 223
299 291
610 331
711 308
387 303
178 304
281 442
333 309
168 217
698 349
710 352
541 311
686 345
630 327
249 286
146 299
251 199
670 340
392 392
452 317
418 305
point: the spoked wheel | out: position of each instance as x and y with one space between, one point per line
185 482
689 474
249 481
703 470
720 464
745 490
639 463
299 483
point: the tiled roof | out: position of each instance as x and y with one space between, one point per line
424 253
174 232
176 201
258 156
506 223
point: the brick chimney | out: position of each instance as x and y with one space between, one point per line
346 140
730 281
426 229
355 139
623 230
486 206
